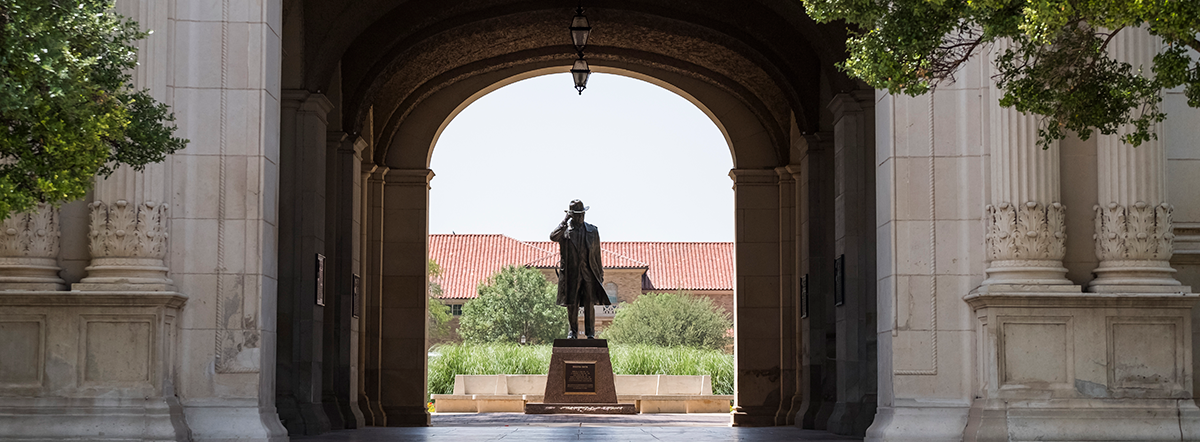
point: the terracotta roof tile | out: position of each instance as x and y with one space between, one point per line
681 265
467 261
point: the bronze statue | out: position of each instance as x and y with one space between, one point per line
580 272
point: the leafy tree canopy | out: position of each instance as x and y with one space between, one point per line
68 108
513 302
439 314
669 320
1054 60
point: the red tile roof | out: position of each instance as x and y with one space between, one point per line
467 261
681 265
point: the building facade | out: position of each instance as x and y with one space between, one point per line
911 269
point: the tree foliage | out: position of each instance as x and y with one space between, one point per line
670 319
439 314
68 108
514 302
1053 58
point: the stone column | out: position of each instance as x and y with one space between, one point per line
402 367
29 250
854 246
818 374
756 298
1025 229
340 386
302 159
1133 219
372 288
787 297
128 228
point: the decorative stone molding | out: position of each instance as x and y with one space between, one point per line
29 250
128 242
1026 242
128 230
1134 245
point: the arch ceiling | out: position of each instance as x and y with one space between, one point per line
395 54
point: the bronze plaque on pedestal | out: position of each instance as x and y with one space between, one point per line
581 378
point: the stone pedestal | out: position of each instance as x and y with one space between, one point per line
580 380
90 365
1071 366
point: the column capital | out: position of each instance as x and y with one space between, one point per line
305 101
760 177
408 176
789 173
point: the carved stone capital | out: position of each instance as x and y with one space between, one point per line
1026 243
128 242
29 250
1134 244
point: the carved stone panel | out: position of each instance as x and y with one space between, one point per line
29 250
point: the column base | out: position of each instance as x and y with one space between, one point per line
25 273
852 418
1136 276
157 419
1035 272
229 420
920 422
407 416
750 416
125 274
1084 419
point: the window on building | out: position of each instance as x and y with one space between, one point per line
611 289
456 309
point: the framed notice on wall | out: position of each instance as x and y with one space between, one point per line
356 296
320 280
839 280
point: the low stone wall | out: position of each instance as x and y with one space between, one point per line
648 393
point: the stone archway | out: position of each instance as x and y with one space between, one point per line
371 88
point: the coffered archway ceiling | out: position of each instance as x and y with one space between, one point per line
394 54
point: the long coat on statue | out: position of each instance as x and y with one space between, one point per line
572 273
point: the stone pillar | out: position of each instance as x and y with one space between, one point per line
818 374
340 386
756 297
854 286
29 250
1025 228
372 288
403 298
302 161
787 297
1133 219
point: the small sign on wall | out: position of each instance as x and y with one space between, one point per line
320 280
356 296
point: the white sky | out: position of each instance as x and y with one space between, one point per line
650 164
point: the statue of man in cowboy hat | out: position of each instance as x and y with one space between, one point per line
581 272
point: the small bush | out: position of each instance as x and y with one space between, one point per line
514 302
670 320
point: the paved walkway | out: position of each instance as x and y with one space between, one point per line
465 427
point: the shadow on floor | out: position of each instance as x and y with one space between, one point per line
518 427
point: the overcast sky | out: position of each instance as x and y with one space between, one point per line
650 164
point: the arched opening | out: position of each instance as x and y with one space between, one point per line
376 86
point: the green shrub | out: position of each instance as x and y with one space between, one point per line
670 320
514 302
446 361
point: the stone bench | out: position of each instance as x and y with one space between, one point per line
648 393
